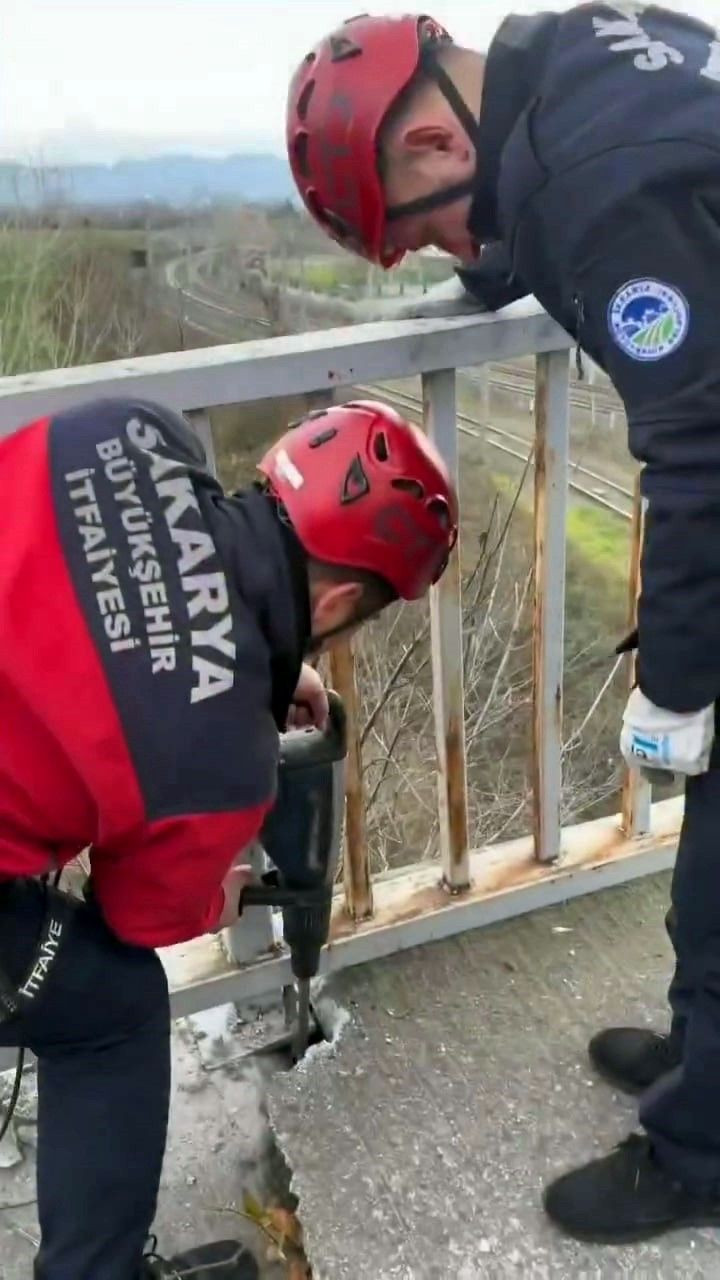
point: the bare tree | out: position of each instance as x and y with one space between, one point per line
394 675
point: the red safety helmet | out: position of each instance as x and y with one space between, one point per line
338 100
364 488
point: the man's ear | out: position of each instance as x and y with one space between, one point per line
427 137
334 605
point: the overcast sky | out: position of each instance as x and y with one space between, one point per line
97 78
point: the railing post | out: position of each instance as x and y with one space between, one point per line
356 865
551 486
637 792
447 655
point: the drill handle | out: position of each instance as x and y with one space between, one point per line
270 893
337 723
301 748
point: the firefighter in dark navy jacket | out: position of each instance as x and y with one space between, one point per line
152 635
583 153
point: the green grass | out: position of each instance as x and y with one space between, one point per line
601 538
333 275
324 277
24 240
507 486
61 294
598 562
598 536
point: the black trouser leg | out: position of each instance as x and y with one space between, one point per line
680 991
102 1037
682 1112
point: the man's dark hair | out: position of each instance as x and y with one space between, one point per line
377 593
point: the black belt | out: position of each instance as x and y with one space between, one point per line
15 1000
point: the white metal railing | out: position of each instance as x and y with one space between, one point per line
551 864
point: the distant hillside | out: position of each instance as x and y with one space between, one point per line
179 180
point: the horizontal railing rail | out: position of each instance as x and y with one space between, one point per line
272 367
415 904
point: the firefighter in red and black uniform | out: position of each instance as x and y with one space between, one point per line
152 637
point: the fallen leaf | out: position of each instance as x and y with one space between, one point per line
282 1229
299 1271
252 1208
286 1224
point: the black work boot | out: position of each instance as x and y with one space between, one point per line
625 1197
632 1058
223 1260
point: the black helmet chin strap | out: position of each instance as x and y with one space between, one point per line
448 195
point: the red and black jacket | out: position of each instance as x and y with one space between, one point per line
151 636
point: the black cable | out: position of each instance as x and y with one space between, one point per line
12 1104
15 1095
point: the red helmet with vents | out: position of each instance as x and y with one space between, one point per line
338 100
366 489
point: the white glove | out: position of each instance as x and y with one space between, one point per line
658 741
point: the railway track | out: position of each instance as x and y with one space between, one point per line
204 298
507 442
222 309
511 378
516 446
522 382
507 377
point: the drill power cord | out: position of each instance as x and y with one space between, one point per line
15 1095
57 913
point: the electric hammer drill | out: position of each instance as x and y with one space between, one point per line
302 837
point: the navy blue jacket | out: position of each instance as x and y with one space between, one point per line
599 182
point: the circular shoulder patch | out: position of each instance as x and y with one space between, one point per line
648 320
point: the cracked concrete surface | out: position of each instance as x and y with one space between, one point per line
421 1139
420 1145
220 1146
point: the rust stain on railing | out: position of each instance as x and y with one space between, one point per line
456 792
422 899
440 419
538 612
539 637
356 867
551 461
449 705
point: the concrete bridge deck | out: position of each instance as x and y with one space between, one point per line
420 1142
420 1149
